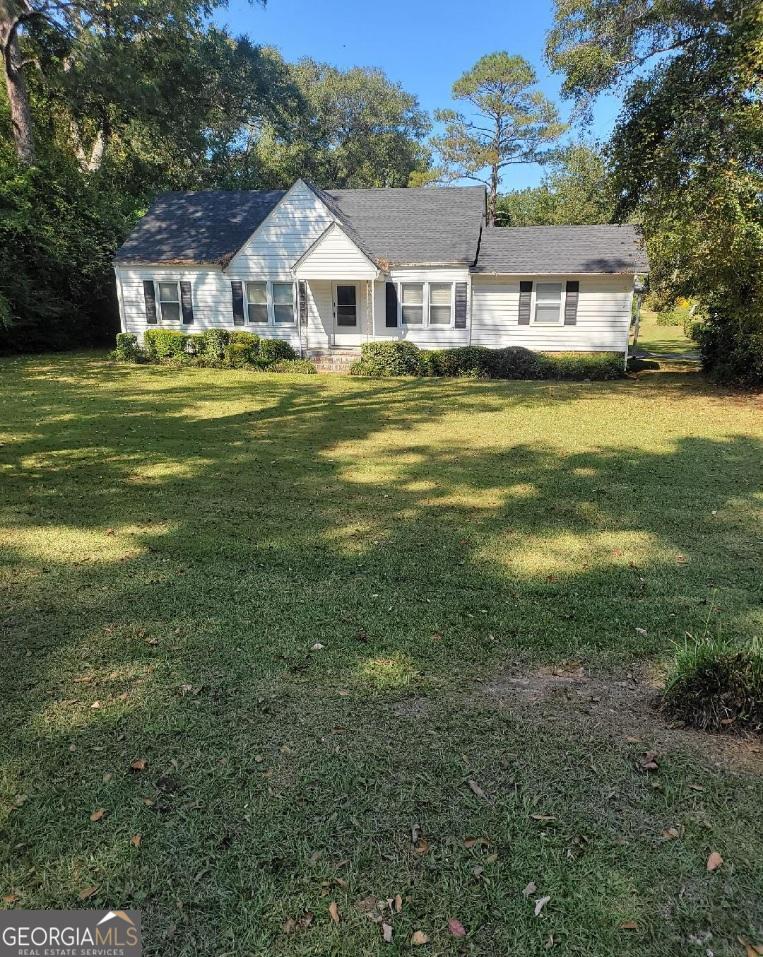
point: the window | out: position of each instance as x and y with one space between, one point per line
283 302
346 306
169 301
413 303
548 303
257 301
439 303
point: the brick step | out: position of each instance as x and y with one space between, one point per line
334 360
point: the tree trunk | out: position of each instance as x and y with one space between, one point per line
492 196
15 84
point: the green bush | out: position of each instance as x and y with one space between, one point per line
716 687
303 366
516 362
673 317
195 344
215 342
243 349
163 343
472 362
127 348
598 366
732 352
271 350
393 358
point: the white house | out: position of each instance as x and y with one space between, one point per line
332 269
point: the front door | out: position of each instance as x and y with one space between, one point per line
346 305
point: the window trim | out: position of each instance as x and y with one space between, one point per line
425 303
271 323
562 303
160 302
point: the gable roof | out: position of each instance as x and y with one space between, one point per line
195 228
519 250
326 235
391 226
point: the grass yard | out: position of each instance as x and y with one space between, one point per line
663 339
375 638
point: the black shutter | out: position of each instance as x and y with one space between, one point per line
571 303
525 301
149 298
186 301
460 305
237 297
302 302
391 305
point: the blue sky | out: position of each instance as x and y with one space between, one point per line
423 44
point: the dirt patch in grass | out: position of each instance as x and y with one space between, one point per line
626 705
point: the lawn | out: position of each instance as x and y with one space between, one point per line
663 339
368 639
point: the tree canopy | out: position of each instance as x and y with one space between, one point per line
510 121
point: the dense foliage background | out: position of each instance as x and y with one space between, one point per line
108 102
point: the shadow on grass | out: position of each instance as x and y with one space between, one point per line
176 543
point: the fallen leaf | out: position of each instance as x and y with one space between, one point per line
135 840
386 933
752 950
714 861
306 919
88 892
543 817
317 646
476 789
671 834
629 925
20 799
419 937
696 787
648 762
334 912
95 705
550 942
530 889
139 764
456 927
107 777
98 814
289 925
10 899
398 903
470 842
366 905
421 846
641 631
540 904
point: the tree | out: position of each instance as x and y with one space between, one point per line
511 123
359 129
577 190
686 151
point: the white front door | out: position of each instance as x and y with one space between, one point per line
348 326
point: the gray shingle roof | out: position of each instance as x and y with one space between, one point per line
526 250
206 227
432 225
429 225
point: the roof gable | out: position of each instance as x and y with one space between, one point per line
334 254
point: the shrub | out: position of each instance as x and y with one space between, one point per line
516 362
195 344
163 343
598 366
673 317
243 349
215 341
473 362
127 348
393 358
271 350
730 352
303 366
716 687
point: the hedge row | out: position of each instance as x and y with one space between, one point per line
396 358
215 348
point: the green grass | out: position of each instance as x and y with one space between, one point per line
663 339
173 545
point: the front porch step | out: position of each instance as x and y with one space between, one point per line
333 360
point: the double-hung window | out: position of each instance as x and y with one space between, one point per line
257 302
283 302
269 303
440 306
412 303
548 303
169 301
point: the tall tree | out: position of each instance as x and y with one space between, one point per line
511 122
359 129
577 190
687 149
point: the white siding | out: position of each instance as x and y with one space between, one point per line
336 257
603 317
426 337
268 254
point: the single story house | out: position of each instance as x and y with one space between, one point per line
332 269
